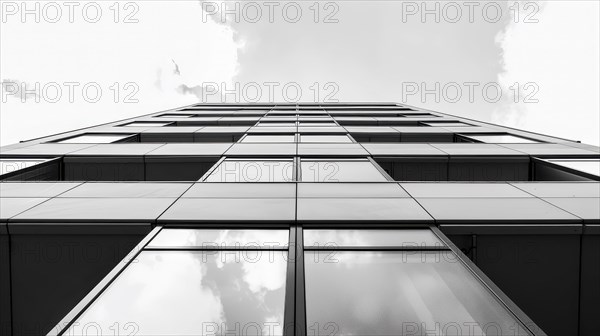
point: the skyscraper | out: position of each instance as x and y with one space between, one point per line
299 219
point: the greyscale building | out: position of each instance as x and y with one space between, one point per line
299 219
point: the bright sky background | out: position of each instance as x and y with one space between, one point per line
175 53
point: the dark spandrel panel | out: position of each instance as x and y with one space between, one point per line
207 238
494 209
548 149
475 149
316 124
268 138
340 171
402 149
193 293
98 209
231 209
358 190
500 138
399 293
371 238
586 208
362 209
589 166
447 124
332 149
125 149
464 190
325 138
10 207
37 189
242 190
47 149
191 149
564 189
95 138
262 149
126 190
253 171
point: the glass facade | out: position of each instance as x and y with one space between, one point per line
299 219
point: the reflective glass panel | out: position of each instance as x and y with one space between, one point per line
11 165
340 171
325 138
274 124
501 138
146 124
253 171
221 238
269 138
406 238
591 166
96 138
192 293
399 293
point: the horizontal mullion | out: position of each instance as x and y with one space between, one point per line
376 248
194 248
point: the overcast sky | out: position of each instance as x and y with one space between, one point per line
530 65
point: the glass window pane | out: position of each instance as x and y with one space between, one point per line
340 171
325 138
276 124
11 165
269 138
146 124
192 293
399 293
221 238
253 171
316 124
501 138
96 138
366 238
175 115
590 166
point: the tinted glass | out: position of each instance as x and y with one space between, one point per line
503 138
96 138
192 293
9 166
399 293
406 238
340 171
325 138
147 124
274 124
253 171
269 138
586 166
221 238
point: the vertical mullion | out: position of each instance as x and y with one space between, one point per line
290 286
300 322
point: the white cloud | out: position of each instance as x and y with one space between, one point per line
560 55
167 36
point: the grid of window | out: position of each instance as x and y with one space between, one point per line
295 281
297 219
